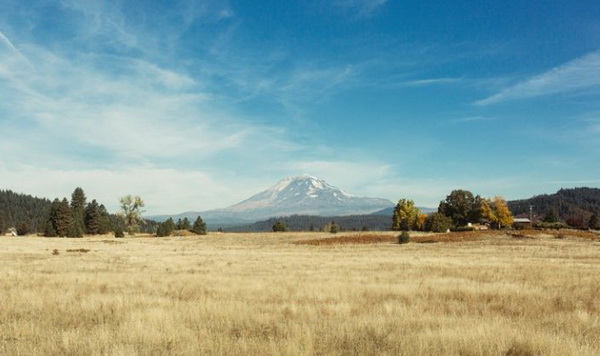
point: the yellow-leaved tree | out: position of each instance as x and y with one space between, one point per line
497 212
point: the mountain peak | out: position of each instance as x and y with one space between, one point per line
306 194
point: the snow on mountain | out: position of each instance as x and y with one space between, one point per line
301 195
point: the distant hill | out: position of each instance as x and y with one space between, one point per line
370 222
390 211
17 209
574 206
301 195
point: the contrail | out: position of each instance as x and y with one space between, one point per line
9 44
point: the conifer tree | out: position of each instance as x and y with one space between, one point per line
594 222
92 218
185 224
105 222
64 218
78 200
199 226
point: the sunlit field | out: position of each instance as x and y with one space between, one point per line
293 294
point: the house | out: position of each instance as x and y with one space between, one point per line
521 223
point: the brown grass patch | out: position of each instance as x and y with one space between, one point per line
80 250
349 239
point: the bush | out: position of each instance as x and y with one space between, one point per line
279 226
462 229
119 232
404 237
438 222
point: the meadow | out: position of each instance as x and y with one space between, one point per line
294 294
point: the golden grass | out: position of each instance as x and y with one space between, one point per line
263 294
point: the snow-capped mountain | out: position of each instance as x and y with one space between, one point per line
306 195
301 195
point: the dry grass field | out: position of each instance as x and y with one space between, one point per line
269 294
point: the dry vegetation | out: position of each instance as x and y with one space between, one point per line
257 294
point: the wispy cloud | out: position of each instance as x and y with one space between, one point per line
361 8
577 75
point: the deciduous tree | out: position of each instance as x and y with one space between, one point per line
405 215
458 206
131 212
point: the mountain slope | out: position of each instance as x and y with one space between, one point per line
575 206
301 195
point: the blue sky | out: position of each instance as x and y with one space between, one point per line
195 105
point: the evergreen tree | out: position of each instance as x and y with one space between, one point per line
2 225
105 224
279 226
166 228
92 218
23 229
199 226
179 224
185 225
594 222
551 216
64 218
78 200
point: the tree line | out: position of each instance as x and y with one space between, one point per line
23 212
76 217
457 211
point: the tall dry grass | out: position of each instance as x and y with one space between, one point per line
258 294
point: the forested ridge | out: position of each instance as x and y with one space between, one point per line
575 205
317 223
23 210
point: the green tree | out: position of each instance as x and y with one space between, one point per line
438 222
78 204
2 224
92 218
199 226
185 224
166 228
594 222
64 218
551 216
279 226
404 237
459 206
131 212
105 222
23 229
405 215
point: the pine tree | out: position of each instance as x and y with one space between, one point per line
185 225
105 222
78 200
64 218
594 222
199 226
92 218
279 226
2 226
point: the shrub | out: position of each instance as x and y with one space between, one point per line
462 229
438 223
119 232
404 237
279 226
